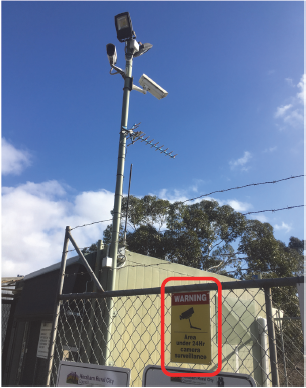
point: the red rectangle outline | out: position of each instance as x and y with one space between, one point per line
162 293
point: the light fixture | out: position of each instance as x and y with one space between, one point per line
143 48
124 27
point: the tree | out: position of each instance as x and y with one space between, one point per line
266 255
201 235
91 249
197 235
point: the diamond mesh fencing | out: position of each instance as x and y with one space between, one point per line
130 336
289 336
5 314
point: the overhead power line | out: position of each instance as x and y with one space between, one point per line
96 222
274 210
223 191
241 187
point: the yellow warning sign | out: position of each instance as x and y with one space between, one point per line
190 328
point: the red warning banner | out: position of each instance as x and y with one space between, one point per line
187 298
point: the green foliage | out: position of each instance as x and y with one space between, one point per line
148 210
91 249
200 235
266 255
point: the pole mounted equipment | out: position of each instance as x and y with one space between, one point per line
139 135
124 27
126 34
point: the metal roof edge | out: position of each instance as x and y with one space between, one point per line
51 268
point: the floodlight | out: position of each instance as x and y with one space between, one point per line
143 48
124 27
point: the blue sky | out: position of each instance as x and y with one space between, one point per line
234 72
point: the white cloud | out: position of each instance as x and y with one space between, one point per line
292 114
281 110
260 217
294 118
175 196
270 149
241 162
180 195
34 217
283 226
301 86
13 161
238 205
289 81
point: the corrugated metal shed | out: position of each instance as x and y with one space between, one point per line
141 271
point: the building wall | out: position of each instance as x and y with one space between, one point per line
136 327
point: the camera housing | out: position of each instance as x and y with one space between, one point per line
152 87
111 53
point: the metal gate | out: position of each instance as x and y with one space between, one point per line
261 330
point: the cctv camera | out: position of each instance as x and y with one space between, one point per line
152 87
111 53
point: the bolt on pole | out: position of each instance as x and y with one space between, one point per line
118 193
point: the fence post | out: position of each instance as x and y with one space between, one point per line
94 302
283 347
272 340
57 306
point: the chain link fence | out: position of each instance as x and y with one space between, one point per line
289 336
5 314
130 336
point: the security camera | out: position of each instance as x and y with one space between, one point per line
149 85
111 53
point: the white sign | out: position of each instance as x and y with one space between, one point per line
44 340
92 375
153 376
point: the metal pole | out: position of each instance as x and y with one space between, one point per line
272 341
128 82
127 204
93 307
57 306
283 347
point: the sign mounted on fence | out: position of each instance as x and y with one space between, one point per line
153 376
92 375
44 340
190 328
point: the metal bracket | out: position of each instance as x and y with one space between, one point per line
128 83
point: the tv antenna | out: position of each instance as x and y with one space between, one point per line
134 136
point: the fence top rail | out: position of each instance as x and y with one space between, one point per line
239 284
